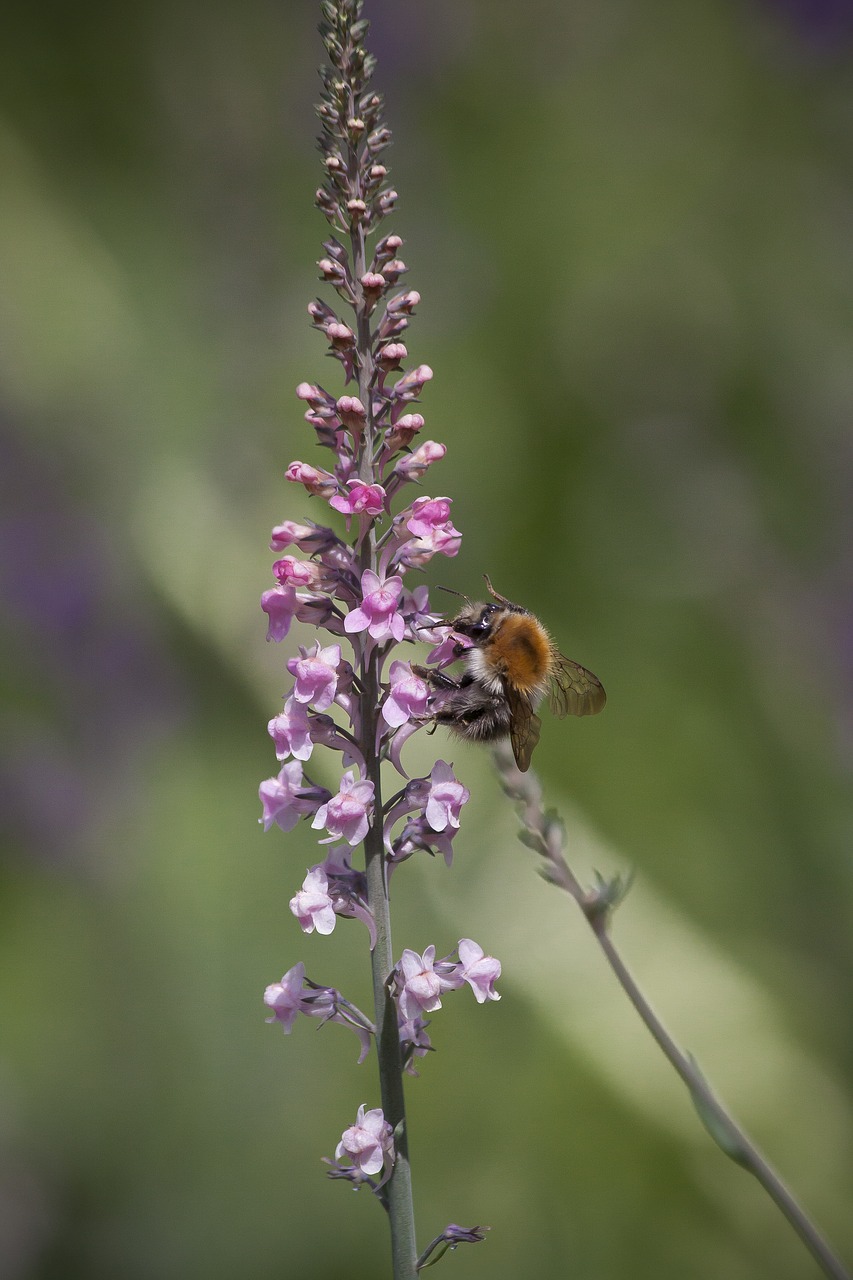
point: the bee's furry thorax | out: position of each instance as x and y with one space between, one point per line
519 649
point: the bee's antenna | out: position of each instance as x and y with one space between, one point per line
451 592
496 594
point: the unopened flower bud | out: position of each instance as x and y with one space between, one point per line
377 172
320 312
312 394
340 335
325 202
335 249
330 270
415 466
355 125
387 201
387 247
410 385
372 282
390 356
393 270
356 209
320 483
403 431
403 302
378 140
351 412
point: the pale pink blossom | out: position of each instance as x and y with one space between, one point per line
316 674
297 573
347 815
446 797
478 970
308 537
419 986
321 483
285 998
368 499
285 798
312 905
291 731
369 1142
279 604
377 614
407 696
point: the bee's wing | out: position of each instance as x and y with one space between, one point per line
524 728
574 691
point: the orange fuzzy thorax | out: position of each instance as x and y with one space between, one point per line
520 648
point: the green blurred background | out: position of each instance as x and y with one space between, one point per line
630 225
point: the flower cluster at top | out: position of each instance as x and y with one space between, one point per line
346 576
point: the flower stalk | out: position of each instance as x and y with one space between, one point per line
352 589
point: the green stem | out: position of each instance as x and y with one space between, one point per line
399 1187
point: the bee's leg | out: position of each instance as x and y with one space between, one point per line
436 678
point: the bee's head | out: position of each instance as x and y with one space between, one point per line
477 620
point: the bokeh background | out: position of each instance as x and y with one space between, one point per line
630 225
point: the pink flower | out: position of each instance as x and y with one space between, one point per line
285 799
313 395
285 998
403 431
415 466
407 697
377 613
279 604
478 970
426 514
321 483
369 1142
362 498
409 387
298 573
312 905
419 986
316 674
446 797
347 815
308 537
351 412
428 520
291 732
449 648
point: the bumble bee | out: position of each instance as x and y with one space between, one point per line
511 665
